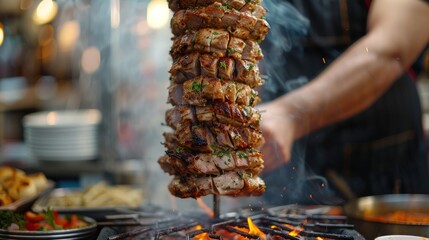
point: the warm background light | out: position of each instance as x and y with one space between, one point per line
45 12
157 14
68 35
90 60
1 34
115 16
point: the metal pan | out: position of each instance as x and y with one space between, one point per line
67 234
367 213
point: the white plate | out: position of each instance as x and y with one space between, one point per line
61 137
61 146
62 129
67 158
401 237
59 153
59 134
62 119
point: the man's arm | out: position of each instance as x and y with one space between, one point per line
398 30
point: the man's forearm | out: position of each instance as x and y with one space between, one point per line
364 72
347 87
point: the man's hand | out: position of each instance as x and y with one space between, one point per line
278 130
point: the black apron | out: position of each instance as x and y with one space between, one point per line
378 151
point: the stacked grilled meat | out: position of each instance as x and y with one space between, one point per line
213 148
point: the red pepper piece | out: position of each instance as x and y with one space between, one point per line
34 217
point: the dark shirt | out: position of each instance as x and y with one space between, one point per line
380 150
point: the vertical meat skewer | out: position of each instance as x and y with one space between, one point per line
213 146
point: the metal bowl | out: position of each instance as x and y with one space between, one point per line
87 232
359 210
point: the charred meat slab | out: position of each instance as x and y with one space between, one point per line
229 184
194 65
187 164
252 7
217 42
201 91
239 24
215 137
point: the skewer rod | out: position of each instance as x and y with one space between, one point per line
216 206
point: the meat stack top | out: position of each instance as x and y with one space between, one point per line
216 132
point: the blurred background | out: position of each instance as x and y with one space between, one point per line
108 55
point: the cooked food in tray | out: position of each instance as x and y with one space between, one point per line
404 217
215 137
16 185
95 196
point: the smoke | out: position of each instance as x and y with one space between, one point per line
294 182
288 28
130 85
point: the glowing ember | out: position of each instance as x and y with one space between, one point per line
295 232
202 236
289 225
253 229
206 208
319 238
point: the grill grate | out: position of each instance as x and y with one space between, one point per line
274 224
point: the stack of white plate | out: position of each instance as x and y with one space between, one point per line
69 135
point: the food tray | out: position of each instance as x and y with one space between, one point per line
94 212
24 204
87 232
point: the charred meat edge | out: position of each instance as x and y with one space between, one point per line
226 113
186 164
203 137
201 91
194 64
253 7
228 184
217 42
241 25
242 157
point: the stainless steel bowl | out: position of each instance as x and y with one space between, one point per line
359 210
87 232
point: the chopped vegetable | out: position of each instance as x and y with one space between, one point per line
34 217
7 218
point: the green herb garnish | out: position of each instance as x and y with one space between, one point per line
9 217
231 50
222 65
197 87
242 155
180 149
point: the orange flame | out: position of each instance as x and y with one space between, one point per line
201 236
319 238
206 208
295 232
253 229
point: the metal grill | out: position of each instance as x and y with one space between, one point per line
284 222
